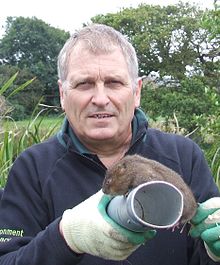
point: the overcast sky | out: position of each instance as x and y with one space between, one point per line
69 14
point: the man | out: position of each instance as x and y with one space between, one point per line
52 210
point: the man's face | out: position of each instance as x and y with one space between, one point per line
98 100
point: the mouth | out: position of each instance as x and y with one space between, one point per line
101 116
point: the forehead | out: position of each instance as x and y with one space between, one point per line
83 61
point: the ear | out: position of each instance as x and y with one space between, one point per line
138 93
61 93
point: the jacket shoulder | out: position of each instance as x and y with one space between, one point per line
170 143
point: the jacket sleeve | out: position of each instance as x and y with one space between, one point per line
201 180
203 186
26 234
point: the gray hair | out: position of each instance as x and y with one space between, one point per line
99 39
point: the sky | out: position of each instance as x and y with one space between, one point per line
69 14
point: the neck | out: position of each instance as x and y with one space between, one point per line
110 153
111 158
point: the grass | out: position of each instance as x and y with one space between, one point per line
15 137
46 124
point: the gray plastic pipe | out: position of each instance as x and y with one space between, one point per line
152 205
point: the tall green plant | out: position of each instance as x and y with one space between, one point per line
15 141
215 164
9 143
211 144
7 85
6 155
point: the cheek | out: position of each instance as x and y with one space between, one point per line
71 109
125 102
74 103
129 107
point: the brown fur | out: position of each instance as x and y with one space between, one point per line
134 170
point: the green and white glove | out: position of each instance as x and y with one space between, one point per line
206 224
87 228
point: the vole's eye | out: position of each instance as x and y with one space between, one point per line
124 165
108 181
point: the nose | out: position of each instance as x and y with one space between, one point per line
100 96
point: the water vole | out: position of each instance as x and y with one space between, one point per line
134 170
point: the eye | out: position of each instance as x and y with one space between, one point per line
113 83
84 85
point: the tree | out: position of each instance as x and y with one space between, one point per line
211 23
30 43
167 39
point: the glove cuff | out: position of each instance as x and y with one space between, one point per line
67 226
211 255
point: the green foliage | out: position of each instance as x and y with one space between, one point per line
211 144
213 157
6 137
211 21
8 84
191 102
6 155
23 102
30 43
167 39
15 140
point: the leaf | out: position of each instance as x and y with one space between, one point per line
8 83
21 87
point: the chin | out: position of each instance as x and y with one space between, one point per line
102 136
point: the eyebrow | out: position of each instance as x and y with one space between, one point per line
114 76
86 77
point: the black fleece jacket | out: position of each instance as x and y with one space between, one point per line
58 174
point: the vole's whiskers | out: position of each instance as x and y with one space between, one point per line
183 227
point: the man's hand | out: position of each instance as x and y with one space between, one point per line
87 228
206 224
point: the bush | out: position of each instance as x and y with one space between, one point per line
191 101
